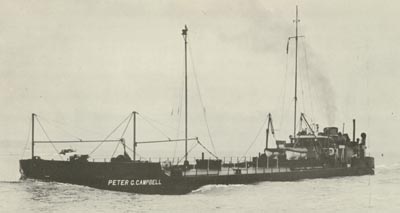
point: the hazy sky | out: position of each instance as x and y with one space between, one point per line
88 64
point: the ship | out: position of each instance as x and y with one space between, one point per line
308 154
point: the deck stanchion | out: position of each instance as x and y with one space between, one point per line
245 163
256 164
208 165
272 171
184 167
277 164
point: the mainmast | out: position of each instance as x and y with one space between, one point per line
295 77
184 34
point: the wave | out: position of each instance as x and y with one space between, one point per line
11 181
388 166
208 188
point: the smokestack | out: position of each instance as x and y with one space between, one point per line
354 130
202 155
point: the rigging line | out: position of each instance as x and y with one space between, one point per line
27 141
201 99
115 150
59 127
183 157
44 131
308 78
181 93
179 124
158 122
180 103
284 92
303 81
127 125
179 114
151 124
131 150
198 141
302 90
61 124
109 135
258 134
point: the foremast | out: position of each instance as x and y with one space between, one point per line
184 34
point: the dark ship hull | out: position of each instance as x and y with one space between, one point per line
149 178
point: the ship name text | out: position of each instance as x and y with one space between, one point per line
134 182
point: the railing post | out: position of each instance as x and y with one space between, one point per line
245 163
277 163
208 165
256 164
272 170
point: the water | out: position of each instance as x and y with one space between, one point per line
378 193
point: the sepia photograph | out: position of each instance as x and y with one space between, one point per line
199 106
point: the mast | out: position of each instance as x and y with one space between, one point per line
295 77
266 138
270 125
184 34
134 135
124 145
267 132
33 135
